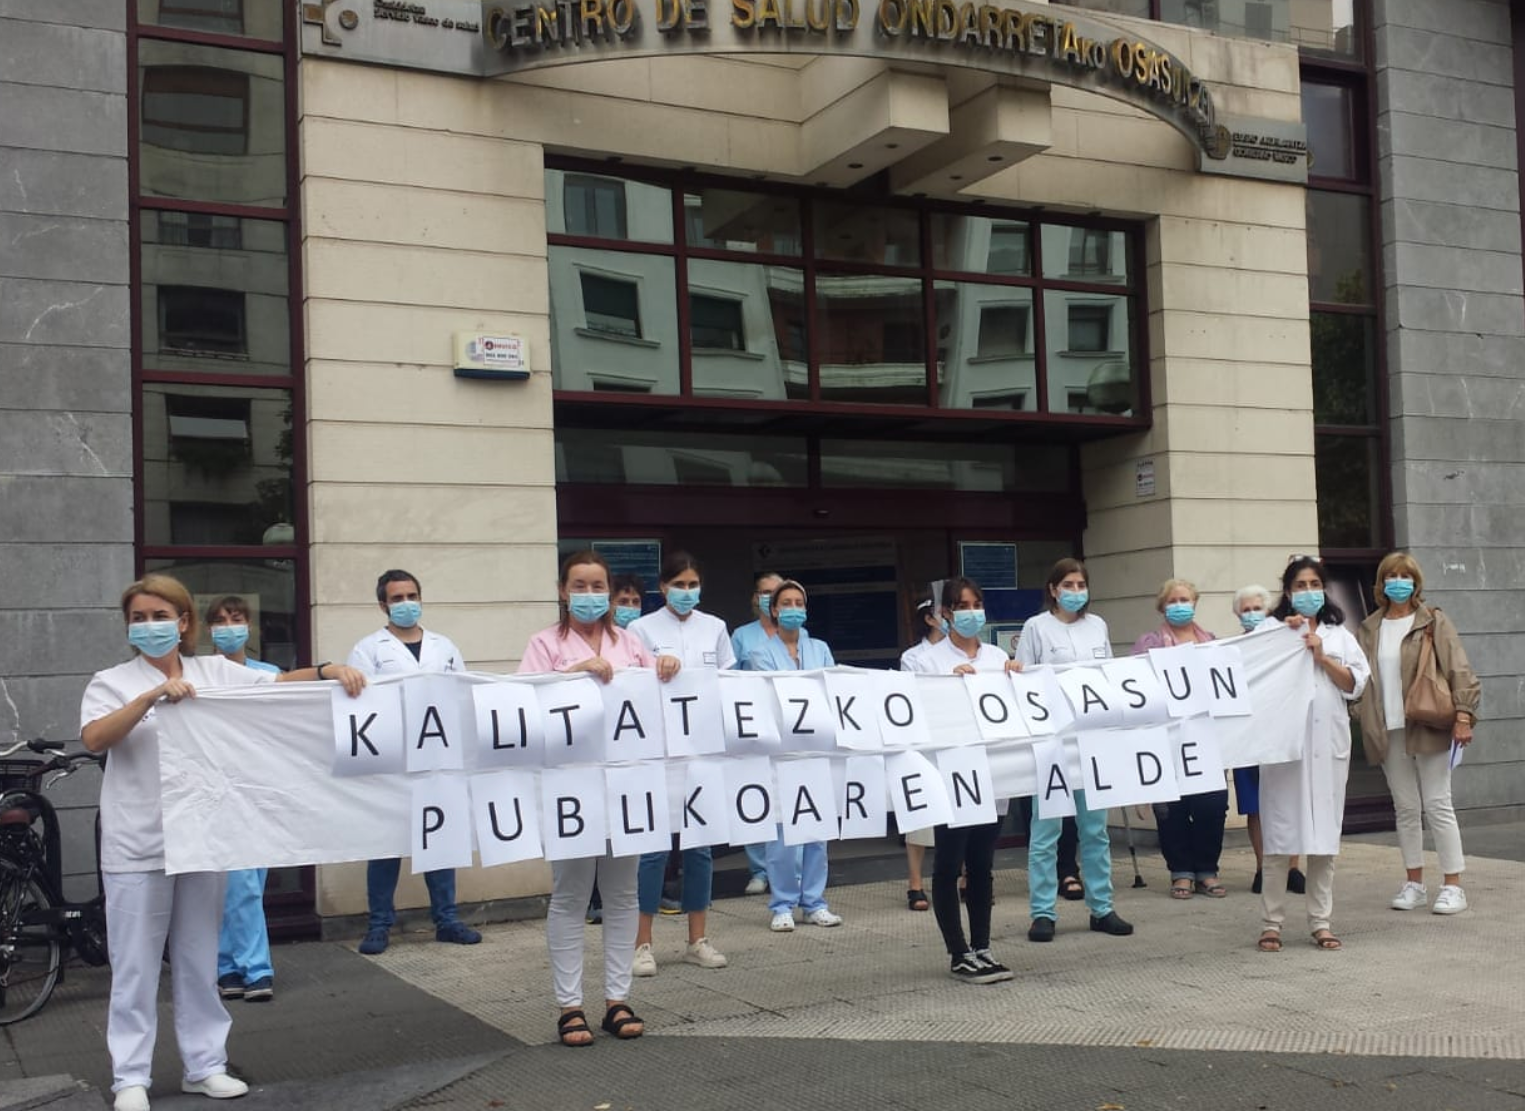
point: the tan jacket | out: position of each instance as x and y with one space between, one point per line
1451 661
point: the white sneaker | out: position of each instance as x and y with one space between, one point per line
823 917
1450 899
783 922
704 954
644 964
1411 897
134 1097
757 885
217 1086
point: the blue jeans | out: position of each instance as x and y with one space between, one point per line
698 867
1095 860
243 945
757 860
1191 834
796 876
381 885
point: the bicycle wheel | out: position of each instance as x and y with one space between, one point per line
29 951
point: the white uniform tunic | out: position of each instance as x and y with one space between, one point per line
381 653
1047 640
1302 803
908 658
941 658
700 640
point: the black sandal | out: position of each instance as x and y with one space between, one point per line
573 1022
1071 888
916 899
620 1016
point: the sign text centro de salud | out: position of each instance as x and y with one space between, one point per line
491 39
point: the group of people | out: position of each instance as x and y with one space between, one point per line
213 927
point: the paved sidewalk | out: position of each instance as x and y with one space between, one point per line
1418 1012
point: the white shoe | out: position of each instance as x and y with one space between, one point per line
823 917
134 1097
783 922
1411 897
644 964
704 954
217 1086
757 885
1450 899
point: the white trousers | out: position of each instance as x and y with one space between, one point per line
1273 891
143 911
1421 788
571 887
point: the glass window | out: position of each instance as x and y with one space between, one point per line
251 18
268 589
902 465
747 330
1139 8
1257 19
216 464
601 207
1329 115
871 342
1339 248
980 245
212 123
1347 471
1344 368
669 458
1090 357
985 349
851 232
1084 254
729 220
614 321
214 292
1328 27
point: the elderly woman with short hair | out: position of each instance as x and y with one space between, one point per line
1416 758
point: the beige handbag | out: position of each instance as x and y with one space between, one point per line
1428 701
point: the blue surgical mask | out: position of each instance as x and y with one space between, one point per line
1180 613
1251 619
1308 602
682 600
792 619
1398 590
968 623
155 639
588 608
763 602
624 615
942 625
405 614
229 639
1073 601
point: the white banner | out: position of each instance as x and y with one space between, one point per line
557 766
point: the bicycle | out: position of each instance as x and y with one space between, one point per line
37 924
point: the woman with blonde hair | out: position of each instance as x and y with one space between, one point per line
1191 827
1415 757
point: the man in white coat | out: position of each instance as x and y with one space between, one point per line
399 647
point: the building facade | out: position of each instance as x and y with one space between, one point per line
866 296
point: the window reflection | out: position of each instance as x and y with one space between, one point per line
871 342
614 322
1329 113
679 458
1328 26
985 347
1346 470
211 123
1090 359
214 294
1084 254
1339 248
978 244
1254 19
747 330
602 207
729 220
896 463
216 464
251 18
863 233
267 587
1344 368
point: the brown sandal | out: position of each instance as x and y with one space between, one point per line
1325 939
1270 942
1180 889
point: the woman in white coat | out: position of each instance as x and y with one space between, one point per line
148 911
1302 803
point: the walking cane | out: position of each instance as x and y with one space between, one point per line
1138 880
